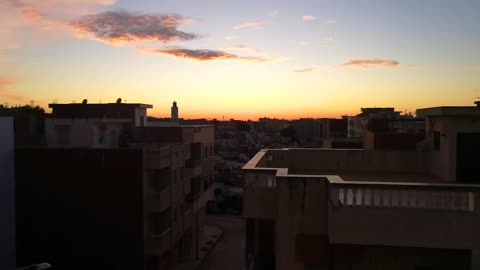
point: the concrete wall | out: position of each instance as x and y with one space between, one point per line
80 207
360 257
429 228
358 160
443 162
302 209
84 132
7 195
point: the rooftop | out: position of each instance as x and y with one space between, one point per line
451 111
345 165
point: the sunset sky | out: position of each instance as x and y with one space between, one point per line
242 59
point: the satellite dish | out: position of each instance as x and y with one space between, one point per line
84 101
119 100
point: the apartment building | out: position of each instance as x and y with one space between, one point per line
7 194
366 209
137 191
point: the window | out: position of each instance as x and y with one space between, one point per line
435 141
101 134
63 134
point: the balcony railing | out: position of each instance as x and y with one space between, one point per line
413 213
403 214
406 195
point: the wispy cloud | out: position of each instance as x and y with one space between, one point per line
370 63
330 22
255 24
31 14
241 48
302 70
123 27
306 18
231 37
6 94
302 43
33 21
205 55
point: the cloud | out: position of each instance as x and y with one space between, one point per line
28 22
124 27
330 22
205 55
248 24
306 18
370 63
6 94
241 48
302 43
231 37
304 69
31 14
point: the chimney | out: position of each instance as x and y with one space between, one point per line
478 104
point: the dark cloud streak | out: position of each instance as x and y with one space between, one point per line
204 55
370 63
120 27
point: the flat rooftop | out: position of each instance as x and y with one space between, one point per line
373 176
383 166
450 111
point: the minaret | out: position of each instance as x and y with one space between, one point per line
174 112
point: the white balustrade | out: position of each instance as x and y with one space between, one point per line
398 197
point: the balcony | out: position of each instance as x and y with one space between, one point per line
158 158
192 168
156 245
159 201
403 214
363 198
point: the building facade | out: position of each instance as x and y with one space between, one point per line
7 194
364 209
168 170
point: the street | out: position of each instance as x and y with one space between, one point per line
229 251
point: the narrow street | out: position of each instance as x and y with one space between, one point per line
229 251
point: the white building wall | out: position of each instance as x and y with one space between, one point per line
7 194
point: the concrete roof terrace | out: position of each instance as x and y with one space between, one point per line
345 165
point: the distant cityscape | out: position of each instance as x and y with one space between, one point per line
91 183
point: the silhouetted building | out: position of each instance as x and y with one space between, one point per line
361 209
7 194
171 167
